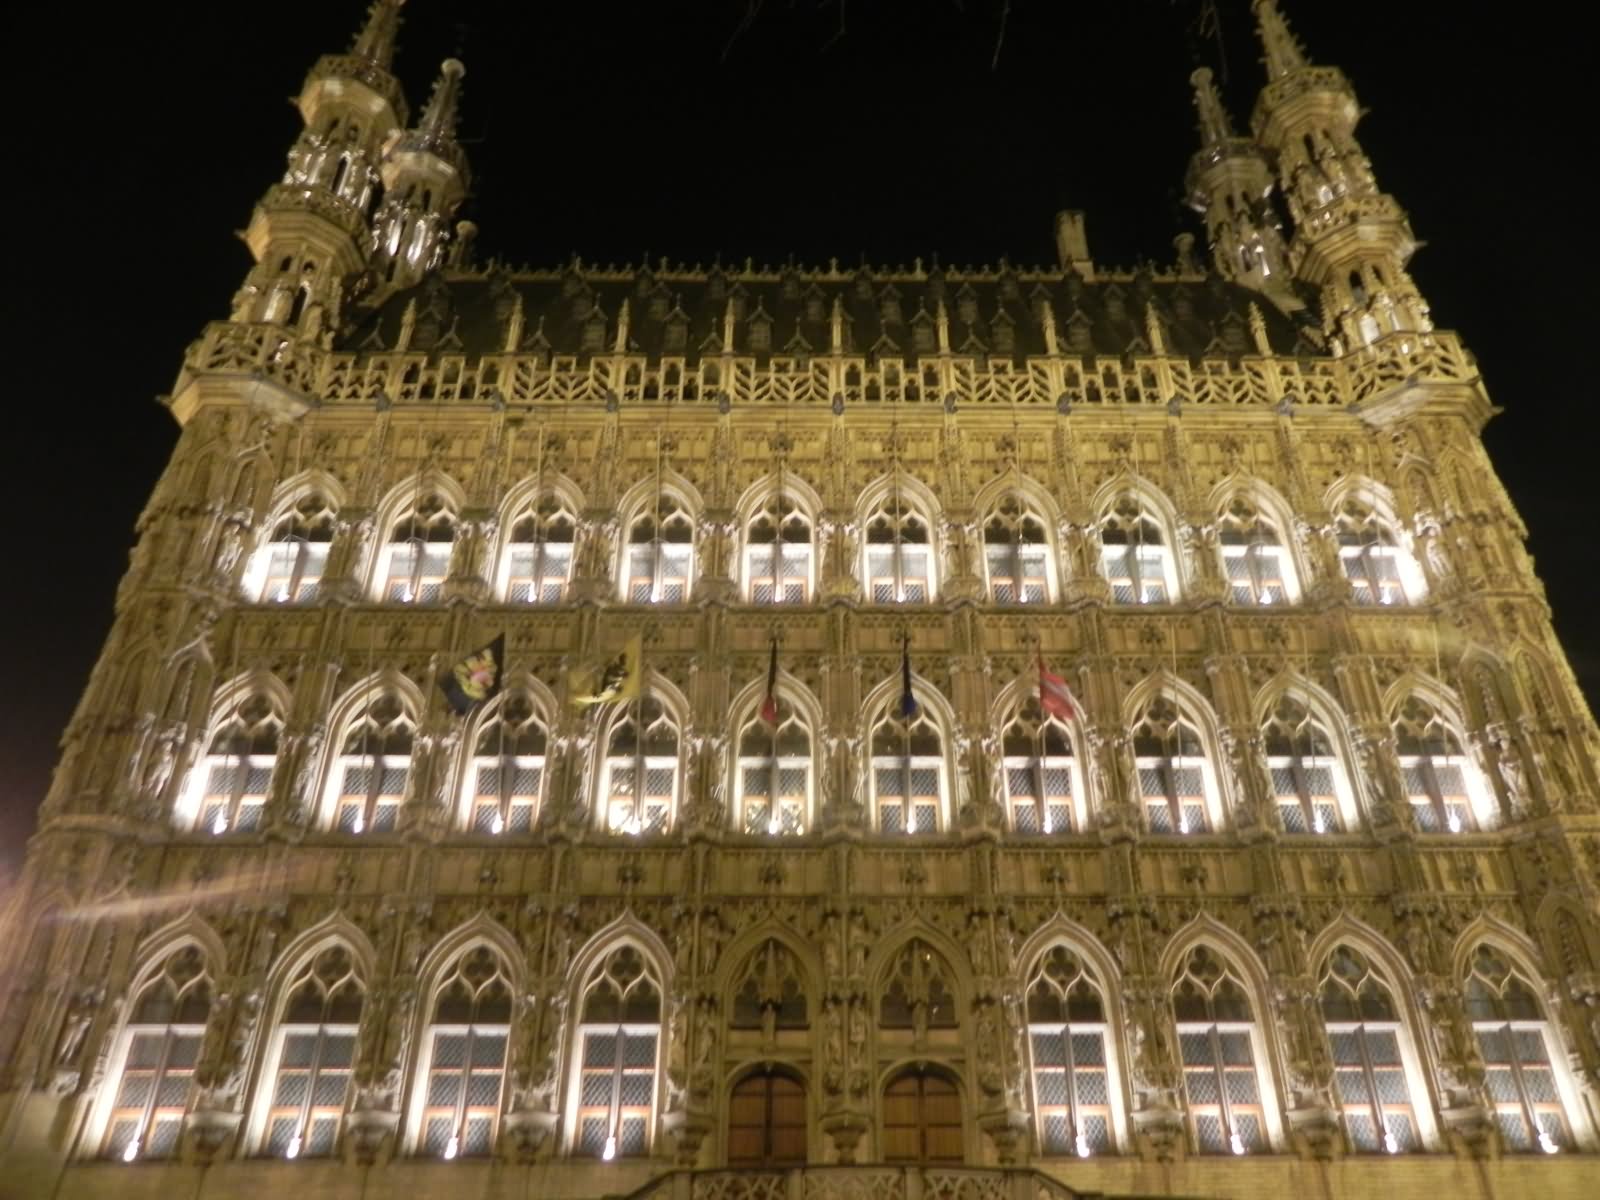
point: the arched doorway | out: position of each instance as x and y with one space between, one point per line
922 1117
767 1119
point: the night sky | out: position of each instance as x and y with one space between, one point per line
140 135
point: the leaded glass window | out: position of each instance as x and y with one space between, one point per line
1222 1089
315 1054
237 768
159 1049
290 564
899 556
660 554
1516 1042
1373 560
1015 556
907 774
1134 557
1170 761
1068 1046
1365 1034
1253 556
373 767
416 558
618 1039
641 770
506 775
539 553
777 554
1302 765
1435 769
1040 772
466 1062
774 776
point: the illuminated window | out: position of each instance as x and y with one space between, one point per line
312 1056
1253 556
236 770
777 554
155 1059
415 560
1068 1045
774 776
1216 1042
371 771
506 776
641 770
1014 555
660 555
1519 1054
899 557
1134 557
538 555
288 567
1370 1076
1039 773
1172 770
1379 570
464 1076
907 774
618 1039
1302 764
1435 769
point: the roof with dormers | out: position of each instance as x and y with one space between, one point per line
690 312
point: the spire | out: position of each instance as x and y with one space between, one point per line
1214 123
375 42
1284 54
439 117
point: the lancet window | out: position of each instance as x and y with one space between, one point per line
464 1079
1134 556
1435 768
660 554
1378 568
1366 1035
373 766
237 768
918 994
1016 557
1519 1051
1172 768
1040 773
641 770
777 554
1216 1042
899 555
538 556
1303 766
416 558
289 566
618 1038
506 776
1068 1045
907 773
1253 556
311 1057
155 1060
774 775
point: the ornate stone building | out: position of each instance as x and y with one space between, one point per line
1299 898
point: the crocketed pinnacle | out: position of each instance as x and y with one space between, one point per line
1214 124
439 118
1284 53
375 42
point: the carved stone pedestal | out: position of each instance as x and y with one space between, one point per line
526 1130
846 1129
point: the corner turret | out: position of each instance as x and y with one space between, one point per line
425 179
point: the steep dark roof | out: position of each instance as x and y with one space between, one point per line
682 312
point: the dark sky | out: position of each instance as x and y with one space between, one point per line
139 135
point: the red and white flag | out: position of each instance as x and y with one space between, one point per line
1055 697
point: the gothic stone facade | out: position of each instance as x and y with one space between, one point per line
1300 895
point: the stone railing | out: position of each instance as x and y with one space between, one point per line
1147 380
318 200
864 1182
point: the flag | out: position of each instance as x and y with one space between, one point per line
769 702
475 678
908 702
1055 697
614 678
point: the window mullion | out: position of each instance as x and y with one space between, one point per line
311 1082
1430 781
466 1083
1514 1056
620 1057
1215 1035
1302 787
167 1039
1374 1099
1074 1119
298 567
1015 549
1169 781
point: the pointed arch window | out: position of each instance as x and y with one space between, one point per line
641 770
289 566
922 1120
918 994
908 784
767 1119
1437 772
236 771
1134 557
660 554
1303 768
507 772
1519 1051
373 766
312 1055
1040 773
538 558
899 555
618 1038
774 776
156 1056
1068 1046
1217 1045
1254 557
416 558
464 1075
1173 770
1370 1070
1015 555
777 554
770 995
1379 570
